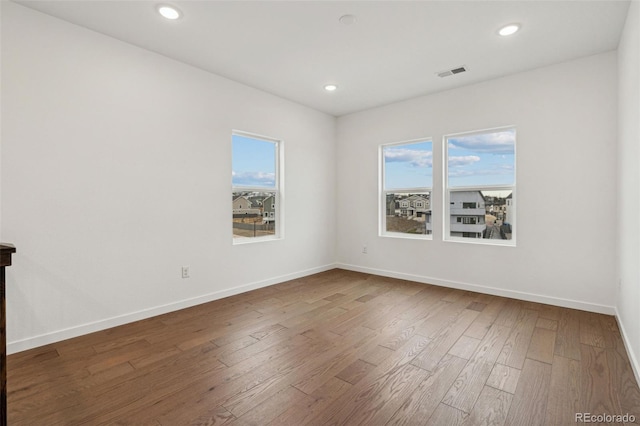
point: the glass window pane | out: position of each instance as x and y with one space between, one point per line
499 210
253 162
254 214
482 159
408 213
408 165
481 214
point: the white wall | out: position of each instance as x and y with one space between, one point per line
116 172
566 156
629 183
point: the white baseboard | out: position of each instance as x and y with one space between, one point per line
530 297
635 365
80 330
56 336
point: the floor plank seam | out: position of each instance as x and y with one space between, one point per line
334 347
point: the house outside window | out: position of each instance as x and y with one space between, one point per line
256 191
405 195
480 186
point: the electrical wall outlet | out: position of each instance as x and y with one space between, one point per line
185 272
364 249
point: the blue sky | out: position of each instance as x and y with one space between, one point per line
482 159
408 165
474 160
253 162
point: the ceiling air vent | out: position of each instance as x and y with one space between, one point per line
453 71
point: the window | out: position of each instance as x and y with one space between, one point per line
256 188
480 181
406 180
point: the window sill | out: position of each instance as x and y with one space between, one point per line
428 237
238 241
482 241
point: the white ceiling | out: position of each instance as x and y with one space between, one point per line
393 51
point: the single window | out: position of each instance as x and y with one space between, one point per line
480 182
406 181
255 177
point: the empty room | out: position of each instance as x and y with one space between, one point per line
320 212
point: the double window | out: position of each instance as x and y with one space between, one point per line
479 187
406 181
256 188
480 181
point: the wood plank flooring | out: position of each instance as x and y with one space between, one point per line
336 348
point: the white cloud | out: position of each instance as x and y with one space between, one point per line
499 171
414 157
253 178
490 143
464 160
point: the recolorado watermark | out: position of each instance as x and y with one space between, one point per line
604 418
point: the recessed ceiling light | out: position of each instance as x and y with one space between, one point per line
348 19
509 29
330 87
169 12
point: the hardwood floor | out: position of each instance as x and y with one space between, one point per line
336 348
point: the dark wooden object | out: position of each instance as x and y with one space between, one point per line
5 260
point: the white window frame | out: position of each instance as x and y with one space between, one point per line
382 191
447 192
278 190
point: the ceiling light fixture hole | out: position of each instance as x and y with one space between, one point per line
348 19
